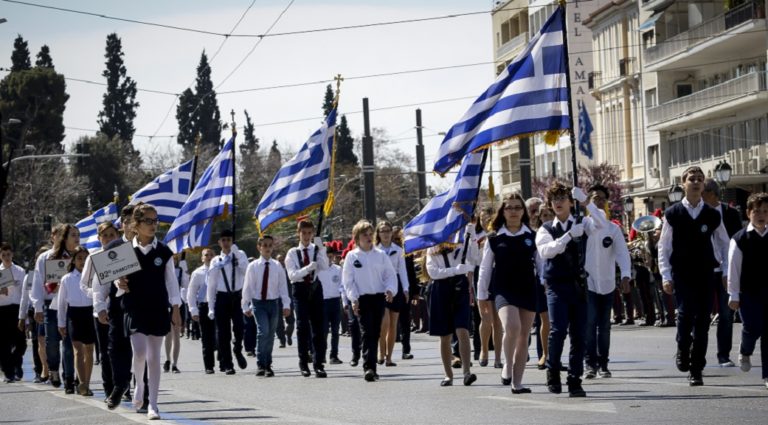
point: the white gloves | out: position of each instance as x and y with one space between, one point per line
319 243
577 230
578 194
210 315
311 267
463 269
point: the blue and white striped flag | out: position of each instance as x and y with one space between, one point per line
448 213
167 193
192 227
530 96
302 183
89 237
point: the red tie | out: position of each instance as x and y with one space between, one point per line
306 263
265 281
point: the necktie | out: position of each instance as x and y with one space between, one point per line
558 227
265 282
306 263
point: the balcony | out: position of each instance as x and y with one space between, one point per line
729 97
593 80
512 45
710 35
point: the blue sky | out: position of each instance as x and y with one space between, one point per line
165 60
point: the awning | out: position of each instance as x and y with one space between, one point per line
651 22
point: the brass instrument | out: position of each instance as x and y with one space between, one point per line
638 248
646 224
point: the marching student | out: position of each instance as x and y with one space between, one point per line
27 322
265 283
198 309
75 318
225 285
146 299
488 326
508 272
413 291
692 233
353 322
107 232
450 302
173 339
746 282
44 296
369 281
606 248
302 263
383 240
285 325
544 214
11 338
330 279
561 245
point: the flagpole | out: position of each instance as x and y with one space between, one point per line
327 207
234 176
192 180
574 165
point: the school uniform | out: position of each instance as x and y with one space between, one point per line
732 223
747 285
265 283
353 325
224 293
566 295
689 239
75 309
308 303
367 276
396 256
449 294
10 339
44 297
198 306
606 248
27 314
89 281
330 279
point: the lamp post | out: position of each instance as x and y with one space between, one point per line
675 194
629 207
722 173
391 215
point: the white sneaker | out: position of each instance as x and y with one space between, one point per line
766 383
152 415
745 363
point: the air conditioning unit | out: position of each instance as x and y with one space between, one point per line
757 159
654 173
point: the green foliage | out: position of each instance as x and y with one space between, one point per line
44 59
345 144
37 97
328 100
116 162
116 118
198 111
20 56
185 114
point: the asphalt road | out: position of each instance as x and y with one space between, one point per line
645 389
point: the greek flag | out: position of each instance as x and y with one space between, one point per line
530 96
447 214
214 191
167 193
585 130
89 237
302 183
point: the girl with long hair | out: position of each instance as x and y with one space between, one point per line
383 240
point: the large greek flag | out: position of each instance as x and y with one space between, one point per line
89 236
192 227
302 183
167 193
529 96
448 213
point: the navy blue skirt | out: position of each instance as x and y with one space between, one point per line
449 307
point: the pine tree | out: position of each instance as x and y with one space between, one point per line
116 119
186 119
328 100
20 57
44 59
252 177
207 117
345 144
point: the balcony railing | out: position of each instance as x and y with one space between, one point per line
512 44
715 95
743 13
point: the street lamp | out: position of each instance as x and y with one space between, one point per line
675 193
722 173
629 207
390 215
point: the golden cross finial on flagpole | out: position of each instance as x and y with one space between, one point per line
234 125
198 139
338 78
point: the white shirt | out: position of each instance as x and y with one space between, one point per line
15 290
38 295
196 293
330 278
296 269
99 292
436 267
182 276
171 284
550 248
735 257
71 295
600 262
277 285
366 273
489 260
397 257
719 242
217 283
26 288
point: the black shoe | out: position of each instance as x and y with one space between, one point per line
143 409
469 379
456 363
260 372
506 381
320 373
354 362
37 379
370 375
522 390
8 380
282 345
553 382
380 361
113 400
484 363
574 388
167 366
55 379
19 375
695 379
683 360
446 382
229 372
335 360
209 371
250 354
304 370
591 373
407 356
627 322
269 373
289 341
69 389
241 363
127 395
175 369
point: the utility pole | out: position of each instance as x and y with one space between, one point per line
420 166
369 200
524 145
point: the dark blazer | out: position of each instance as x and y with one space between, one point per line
731 219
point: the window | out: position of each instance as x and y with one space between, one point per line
514 167
505 178
729 145
683 89
718 148
693 147
673 156
706 145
